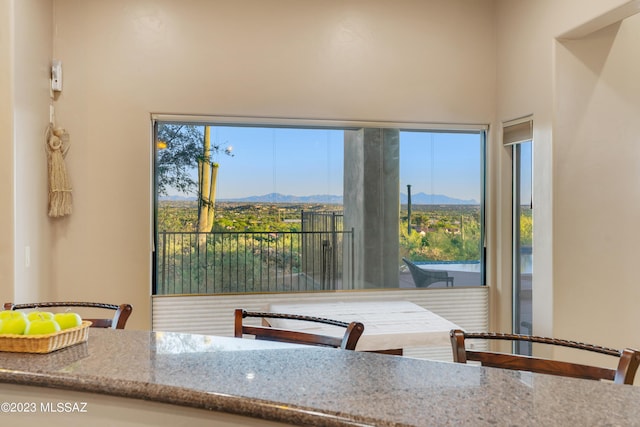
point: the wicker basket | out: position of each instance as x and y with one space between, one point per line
45 343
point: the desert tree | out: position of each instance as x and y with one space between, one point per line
186 163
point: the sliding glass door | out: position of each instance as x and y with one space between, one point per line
522 242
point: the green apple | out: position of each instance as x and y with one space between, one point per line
15 322
4 314
40 315
41 327
68 320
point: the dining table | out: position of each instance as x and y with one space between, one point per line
156 378
389 326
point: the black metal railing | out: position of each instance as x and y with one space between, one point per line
242 262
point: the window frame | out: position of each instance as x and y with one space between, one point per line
482 130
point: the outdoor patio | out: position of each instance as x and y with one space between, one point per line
460 278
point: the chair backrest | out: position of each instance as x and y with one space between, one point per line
423 278
628 362
118 320
353 330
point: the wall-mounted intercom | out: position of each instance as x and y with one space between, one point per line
56 75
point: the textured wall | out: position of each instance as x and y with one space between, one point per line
357 60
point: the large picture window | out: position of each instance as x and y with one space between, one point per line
441 179
264 208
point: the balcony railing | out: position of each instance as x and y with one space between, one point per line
240 262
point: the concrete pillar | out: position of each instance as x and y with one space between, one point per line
372 205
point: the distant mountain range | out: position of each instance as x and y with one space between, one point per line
434 199
286 198
271 198
416 199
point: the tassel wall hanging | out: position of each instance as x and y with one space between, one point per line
57 145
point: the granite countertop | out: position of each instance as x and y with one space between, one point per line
317 386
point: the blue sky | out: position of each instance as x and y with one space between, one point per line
297 162
304 162
526 162
441 163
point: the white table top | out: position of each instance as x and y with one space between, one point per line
388 325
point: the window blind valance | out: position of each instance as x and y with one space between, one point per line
517 132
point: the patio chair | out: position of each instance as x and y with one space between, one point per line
353 330
624 373
424 278
118 320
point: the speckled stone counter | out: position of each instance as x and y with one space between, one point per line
316 386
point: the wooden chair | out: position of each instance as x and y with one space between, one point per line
353 330
629 359
423 278
117 321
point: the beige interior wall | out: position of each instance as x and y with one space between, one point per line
566 290
597 170
25 51
32 58
6 142
124 60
